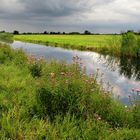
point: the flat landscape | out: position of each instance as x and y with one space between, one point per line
81 42
105 44
69 70
56 100
75 40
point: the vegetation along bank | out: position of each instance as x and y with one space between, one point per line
52 100
127 44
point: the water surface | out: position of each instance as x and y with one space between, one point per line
122 73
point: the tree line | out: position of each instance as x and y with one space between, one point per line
86 32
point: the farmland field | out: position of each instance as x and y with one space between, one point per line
99 43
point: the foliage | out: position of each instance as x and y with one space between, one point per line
16 32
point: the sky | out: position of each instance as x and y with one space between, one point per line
97 16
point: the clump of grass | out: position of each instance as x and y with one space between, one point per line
54 100
35 67
130 45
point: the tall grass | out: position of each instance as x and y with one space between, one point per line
130 44
40 100
6 37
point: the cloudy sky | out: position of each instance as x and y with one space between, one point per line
103 16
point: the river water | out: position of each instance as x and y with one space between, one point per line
121 73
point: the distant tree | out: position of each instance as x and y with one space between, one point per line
87 32
29 33
2 31
74 33
130 31
45 32
52 33
16 32
64 33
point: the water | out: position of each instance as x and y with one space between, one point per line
122 73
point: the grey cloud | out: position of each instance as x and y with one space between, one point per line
63 15
58 8
55 7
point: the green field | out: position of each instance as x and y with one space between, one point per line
100 43
127 44
57 101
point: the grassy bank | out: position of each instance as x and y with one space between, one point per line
6 37
53 101
107 44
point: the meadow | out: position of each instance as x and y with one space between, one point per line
107 44
58 101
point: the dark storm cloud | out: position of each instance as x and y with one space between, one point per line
56 8
60 8
53 8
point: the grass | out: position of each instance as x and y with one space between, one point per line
106 44
7 37
58 101
130 45
100 43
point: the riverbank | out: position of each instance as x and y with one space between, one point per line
115 45
105 44
42 100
